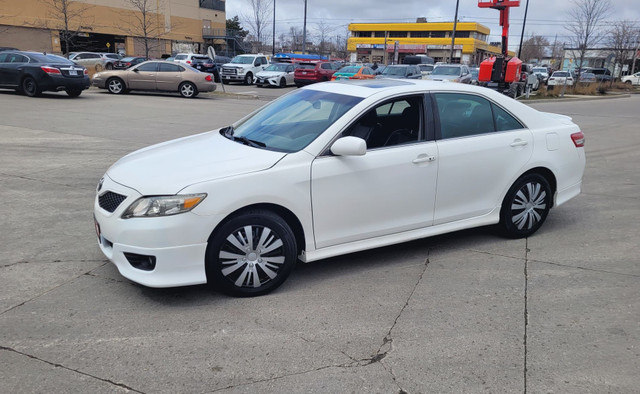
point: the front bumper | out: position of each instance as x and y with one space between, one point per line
177 242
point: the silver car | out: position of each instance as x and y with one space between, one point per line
97 61
450 72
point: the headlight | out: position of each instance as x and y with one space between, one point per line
162 205
241 71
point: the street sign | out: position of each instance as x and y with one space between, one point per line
108 45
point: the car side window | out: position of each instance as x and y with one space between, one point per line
326 66
168 67
16 58
503 120
148 67
397 122
463 115
3 58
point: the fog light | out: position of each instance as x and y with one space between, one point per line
140 261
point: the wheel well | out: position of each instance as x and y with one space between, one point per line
281 211
548 175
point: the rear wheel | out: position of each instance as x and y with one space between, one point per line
109 66
74 92
188 90
116 86
30 87
526 206
251 254
513 91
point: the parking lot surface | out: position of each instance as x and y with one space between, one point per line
466 312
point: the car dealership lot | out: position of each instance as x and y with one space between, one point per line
466 312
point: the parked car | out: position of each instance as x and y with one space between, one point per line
330 169
559 78
97 61
208 65
243 68
276 74
312 72
32 73
353 72
426 69
450 72
542 73
633 79
531 80
587 78
127 62
602 74
156 75
401 71
187 58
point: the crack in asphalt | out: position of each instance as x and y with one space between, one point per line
43 181
51 289
526 309
121 385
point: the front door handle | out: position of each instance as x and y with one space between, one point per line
518 142
423 159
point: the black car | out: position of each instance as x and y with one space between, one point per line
32 73
208 65
127 62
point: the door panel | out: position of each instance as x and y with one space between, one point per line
380 193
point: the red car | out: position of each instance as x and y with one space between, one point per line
312 72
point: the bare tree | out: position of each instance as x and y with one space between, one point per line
259 20
623 39
535 47
147 26
323 35
295 34
67 16
585 26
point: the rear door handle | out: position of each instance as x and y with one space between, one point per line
423 159
518 142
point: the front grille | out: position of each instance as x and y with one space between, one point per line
230 71
109 201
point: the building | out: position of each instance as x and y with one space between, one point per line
113 26
377 42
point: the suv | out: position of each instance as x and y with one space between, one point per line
243 68
311 72
97 60
602 74
208 65
188 58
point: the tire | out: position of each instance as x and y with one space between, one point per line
109 66
188 90
513 91
627 83
283 83
116 86
526 206
248 79
74 92
251 254
30 87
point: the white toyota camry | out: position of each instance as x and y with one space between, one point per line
330 169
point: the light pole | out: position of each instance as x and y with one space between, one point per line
304 29
523 25
273 40
453 35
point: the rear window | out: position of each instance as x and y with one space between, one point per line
180 57
560 74
307 66
49 58
112 56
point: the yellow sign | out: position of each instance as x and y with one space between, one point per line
108 45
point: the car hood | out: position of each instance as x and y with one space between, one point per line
270 74
171 166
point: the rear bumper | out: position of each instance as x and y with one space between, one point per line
57 83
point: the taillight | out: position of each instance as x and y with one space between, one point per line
578 139
50 70
86 72
208 78
188 61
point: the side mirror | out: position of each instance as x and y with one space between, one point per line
135 70
349 146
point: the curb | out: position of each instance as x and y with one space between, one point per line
574 98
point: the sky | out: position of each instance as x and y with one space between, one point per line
544 17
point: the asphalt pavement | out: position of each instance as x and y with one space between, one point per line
468 312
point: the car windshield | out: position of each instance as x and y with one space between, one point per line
242 60
474 72
180 57
349 70
391 70
277 67
446 70
291 122
426 67
49 58
539 70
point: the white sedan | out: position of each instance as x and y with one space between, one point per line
276 74
333 168
633 79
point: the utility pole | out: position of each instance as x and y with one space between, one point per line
304 29
524 23
273 40
453 35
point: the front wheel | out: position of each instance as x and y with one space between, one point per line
251 254
188 90
628 83
116 86
283 83
526 206
248 79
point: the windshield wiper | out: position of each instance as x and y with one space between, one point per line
247 141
